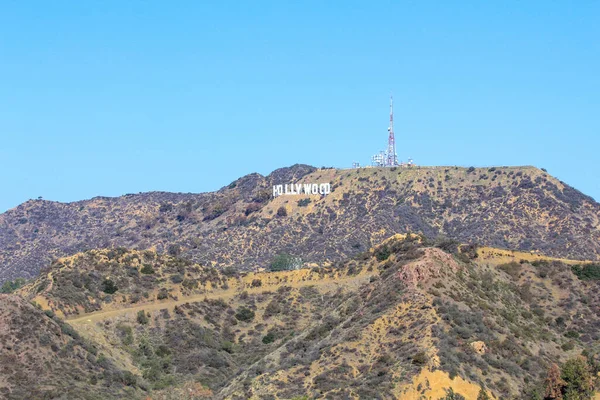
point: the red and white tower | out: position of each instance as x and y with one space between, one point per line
391 159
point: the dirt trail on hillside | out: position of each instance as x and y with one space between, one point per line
328 284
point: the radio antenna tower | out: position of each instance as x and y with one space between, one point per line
392 157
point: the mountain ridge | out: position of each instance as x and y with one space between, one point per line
522 208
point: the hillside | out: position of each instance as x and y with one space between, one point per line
402 321
521 208
41 357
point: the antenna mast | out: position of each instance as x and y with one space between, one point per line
392 157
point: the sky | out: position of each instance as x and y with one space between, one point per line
115 97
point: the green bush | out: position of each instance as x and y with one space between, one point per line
568 346
303 202
228 347
129 379
383 253
245 314
588 272
269 338
147 269
578 379
142 318
109 286
11 286
284 262
446 244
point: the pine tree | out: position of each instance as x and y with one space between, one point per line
577 376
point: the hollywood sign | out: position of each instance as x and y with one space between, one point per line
302 188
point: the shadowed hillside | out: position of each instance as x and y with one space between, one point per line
521 208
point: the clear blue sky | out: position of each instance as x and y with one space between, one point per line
115 97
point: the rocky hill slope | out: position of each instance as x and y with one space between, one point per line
401 321
42 357
243 225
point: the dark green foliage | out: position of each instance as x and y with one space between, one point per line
572 334
11 286
568 346
282 212
142 318
108 286
244 314
303 202
228 347
383 253
587 272
579 384
283 262
147 269
269 338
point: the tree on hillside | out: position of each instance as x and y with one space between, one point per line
554 383
446 244
108 286
245 314
579 383
142 318
147 269
11 286
285 262
574 381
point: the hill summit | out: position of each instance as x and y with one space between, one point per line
243 225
